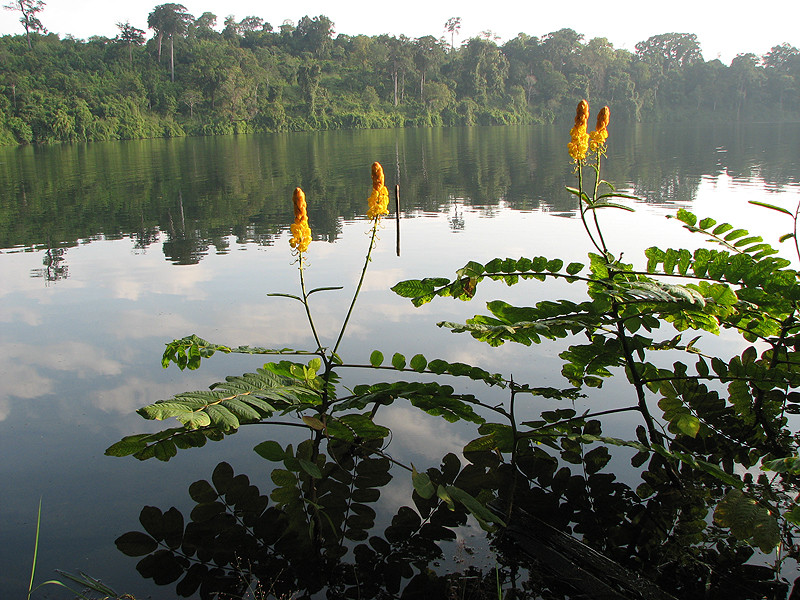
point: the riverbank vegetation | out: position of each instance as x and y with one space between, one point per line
196 76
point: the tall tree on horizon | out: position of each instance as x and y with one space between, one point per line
453 25
428 53
28 18
313 34
169 20
130 35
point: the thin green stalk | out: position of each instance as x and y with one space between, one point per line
305 303
358 287
594 197
516 437
636 380
760 395
796 243
35 547
583 210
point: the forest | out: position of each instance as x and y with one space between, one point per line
195 76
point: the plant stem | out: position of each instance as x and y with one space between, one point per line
515 436
796 243
594 197
582 210
35 548
305 303
758 404
655 437
358 287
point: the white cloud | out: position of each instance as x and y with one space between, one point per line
183 281
130 394
22 366
22 381
417 433
25 314
139 324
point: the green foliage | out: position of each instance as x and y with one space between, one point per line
748 520
247 79
705 424
510 271
741 287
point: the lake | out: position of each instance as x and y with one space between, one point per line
110 250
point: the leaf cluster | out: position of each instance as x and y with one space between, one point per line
707 424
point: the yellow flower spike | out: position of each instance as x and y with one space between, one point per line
301 232
598 137
579 139
379 199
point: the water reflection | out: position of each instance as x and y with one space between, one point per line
582 533
200 191
167 237
55 267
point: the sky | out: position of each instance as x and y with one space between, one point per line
724 29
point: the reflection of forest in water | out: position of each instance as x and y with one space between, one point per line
200 191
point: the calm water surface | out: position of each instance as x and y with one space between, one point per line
109 250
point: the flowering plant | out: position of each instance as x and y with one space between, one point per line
708 429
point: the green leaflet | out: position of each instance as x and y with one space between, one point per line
422 483
376 358
361 426
790 464
433 398
748 520
271 450
510 271
244 399
164 444
188 352
527 325
484 516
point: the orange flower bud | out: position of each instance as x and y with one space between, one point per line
301 232
603 118
299 200
582 114
579 139
379 199
598 137
377 176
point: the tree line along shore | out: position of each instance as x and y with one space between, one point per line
194 76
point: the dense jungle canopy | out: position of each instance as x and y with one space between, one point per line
193 77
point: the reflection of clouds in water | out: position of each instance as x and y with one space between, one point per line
77 357
22 381
25 314
413 431
129 395
128 285
508 358
80 359
380 280
277 322
395 494
21 365
139 324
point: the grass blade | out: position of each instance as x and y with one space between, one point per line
35 548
